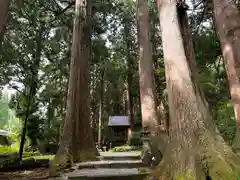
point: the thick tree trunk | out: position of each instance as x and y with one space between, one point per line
227 21
150 119
194 151
225 151
4 6
77 143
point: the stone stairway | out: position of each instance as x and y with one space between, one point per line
111 166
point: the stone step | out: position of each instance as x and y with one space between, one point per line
111 164
107 174
119 156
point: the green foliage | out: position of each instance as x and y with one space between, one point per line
27 158
39 157
9 149
136 139
226 120
213 80
143 170
4 111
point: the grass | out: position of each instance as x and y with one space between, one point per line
143 170
9 149
12 155
39 157
5 150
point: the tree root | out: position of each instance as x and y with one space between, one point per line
85 155
59 163
65 160
210 157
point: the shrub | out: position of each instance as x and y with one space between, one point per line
136 139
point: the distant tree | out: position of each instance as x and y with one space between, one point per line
4 5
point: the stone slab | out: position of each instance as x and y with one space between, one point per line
111 164
120 155
106 174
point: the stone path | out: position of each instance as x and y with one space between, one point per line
100 173
112 166
120 155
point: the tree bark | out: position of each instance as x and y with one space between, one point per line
227 21
129 75
147 84
77 143
101 106
160 107
193 142
225 151
4 6
150 119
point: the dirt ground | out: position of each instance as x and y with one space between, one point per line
35 174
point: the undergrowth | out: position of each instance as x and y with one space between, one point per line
9 149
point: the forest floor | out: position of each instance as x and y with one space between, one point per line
34 174
39 172
117 159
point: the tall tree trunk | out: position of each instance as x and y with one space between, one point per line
93 95
146 75
32 88
193 142
150 120
4 6
77 143
227 21
129 91
160 107
129 75
101 106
